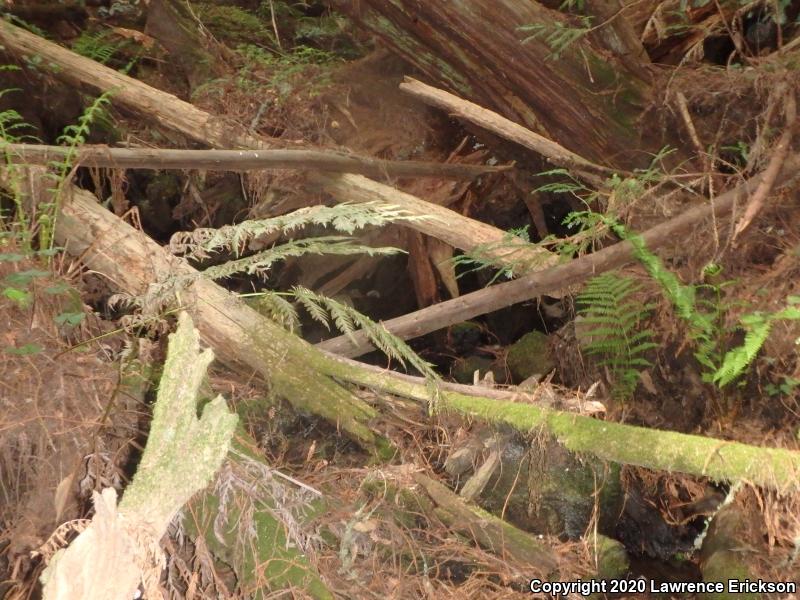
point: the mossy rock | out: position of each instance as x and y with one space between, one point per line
530 355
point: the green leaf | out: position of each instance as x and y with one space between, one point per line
25 277
70 318
21 297
24 350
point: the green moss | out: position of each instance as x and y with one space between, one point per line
530 355
233 25
612 559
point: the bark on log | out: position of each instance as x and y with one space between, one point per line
580 96
555 278
444 224
128 93
242 160
720 460
305 376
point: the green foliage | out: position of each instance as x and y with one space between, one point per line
483 256
348 320
345 217
233 25
60 173
557 35
96 45
614 316
706 327
303 64
757 326
260 262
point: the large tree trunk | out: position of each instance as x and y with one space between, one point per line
588 96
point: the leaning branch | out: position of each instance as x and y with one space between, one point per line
556 278
241 160
491 121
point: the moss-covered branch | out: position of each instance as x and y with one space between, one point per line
721 460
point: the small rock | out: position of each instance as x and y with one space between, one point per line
530 355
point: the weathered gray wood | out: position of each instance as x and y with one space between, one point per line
242 160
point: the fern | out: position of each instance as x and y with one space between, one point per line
758 326
706 328
259 263
557 35
275 307
703 331
346 218
96 46
73 137
348 320
613 316
484 256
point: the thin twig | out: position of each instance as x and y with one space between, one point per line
759 197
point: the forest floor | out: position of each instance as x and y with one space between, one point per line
75 414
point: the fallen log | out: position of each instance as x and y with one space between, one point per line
306 376
241 161
555 278
720 460
154 105
506 128
240 336
500 54
444 224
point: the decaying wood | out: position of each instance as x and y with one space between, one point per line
297 371
720 460
241 160
559 277
241 337
119 550
491 121
128 93
774 166
488 531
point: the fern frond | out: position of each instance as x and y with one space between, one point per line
348 320
612 318
346 218
277 308
260 263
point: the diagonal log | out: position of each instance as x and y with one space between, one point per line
241 160
240 336
555 278
444 224
482 117
167 110
302 373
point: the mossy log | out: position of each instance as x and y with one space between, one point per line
720 460
119 549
